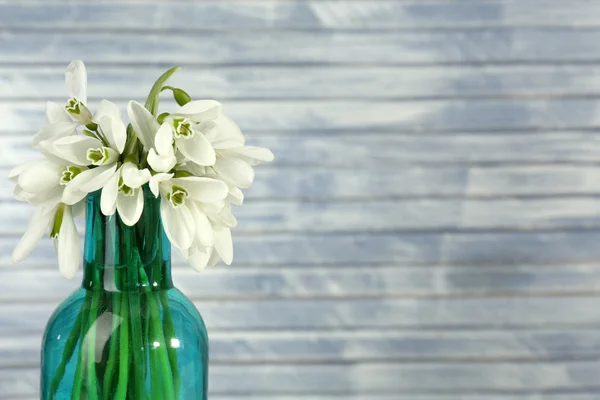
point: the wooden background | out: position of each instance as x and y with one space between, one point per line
430 229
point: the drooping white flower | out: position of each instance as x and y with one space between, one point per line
185 222
123 192
161 155
58 218
63 120
95 161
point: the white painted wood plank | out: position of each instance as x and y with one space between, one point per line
284 47
385 182
381 182
251 82
345 314
22 284
322 184
415 379
363 116
257 217
389 149
591 395
348 249
320 14
364 346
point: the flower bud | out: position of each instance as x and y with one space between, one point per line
181 97
161 117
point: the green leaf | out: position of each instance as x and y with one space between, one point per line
152 100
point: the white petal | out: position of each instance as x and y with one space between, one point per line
199 258
156 180
76 78
40 177
106 109
54 131
250 154
37 226
201 110
51 195
74 148
57 113
134 177
163 141
194 169
178 223
14 173
224 218
108 198
229 130
69 250
203 189
130 207
115 132
236 196
144 124
234 171
161 163
224 244
197 149
78 209
86 182
214 258
204 230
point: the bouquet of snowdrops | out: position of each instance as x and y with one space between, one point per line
194 158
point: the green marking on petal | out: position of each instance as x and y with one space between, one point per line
70 173
177 195
57 223
100 156
123 188
183 128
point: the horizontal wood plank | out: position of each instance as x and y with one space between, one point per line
370 116
374 378
289 282
347 249
309 183
309 47
272 14
365 346
257 217
305 82
591 395
341 314
388 149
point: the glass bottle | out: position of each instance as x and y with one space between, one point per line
127 333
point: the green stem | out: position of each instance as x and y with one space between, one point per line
79 370
170 334
136 338
90 339
121 392
117 320
70 346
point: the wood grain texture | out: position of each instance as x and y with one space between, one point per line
311 47
381 182
273 14
347 249
393 149
284 82
363 116
429 229
397 215
369 281
417 379
355 313
361 346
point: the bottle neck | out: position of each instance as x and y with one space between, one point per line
121 258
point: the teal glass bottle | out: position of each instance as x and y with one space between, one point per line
127 333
